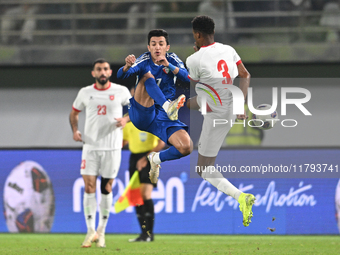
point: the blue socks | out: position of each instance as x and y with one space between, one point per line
154 91
170 154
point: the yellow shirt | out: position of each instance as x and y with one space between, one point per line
139 141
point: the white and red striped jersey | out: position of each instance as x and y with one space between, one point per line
214 66
102 107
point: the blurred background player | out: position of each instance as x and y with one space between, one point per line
212 65
141 144
28 23
150 109
222 13
102 140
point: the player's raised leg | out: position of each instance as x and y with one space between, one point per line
142 109
155 164
174 106
141 95
208 172
147 92
246 202
209 145
181 146
90 209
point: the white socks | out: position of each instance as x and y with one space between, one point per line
104 213
166 106
216 179
156 158
90 209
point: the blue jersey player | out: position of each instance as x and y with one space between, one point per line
151 108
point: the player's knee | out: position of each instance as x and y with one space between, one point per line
191 146
188 147
105 186
90 188
146 76
185 148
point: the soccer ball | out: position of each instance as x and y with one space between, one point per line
267 121
28 199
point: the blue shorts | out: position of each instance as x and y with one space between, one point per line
154 120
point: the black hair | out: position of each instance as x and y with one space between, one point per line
203 24
101 61
158 33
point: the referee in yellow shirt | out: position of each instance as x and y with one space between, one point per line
141 144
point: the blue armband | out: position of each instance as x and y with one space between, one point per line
171 67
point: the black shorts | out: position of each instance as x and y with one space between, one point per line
144 173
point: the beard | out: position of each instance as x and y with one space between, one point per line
104 81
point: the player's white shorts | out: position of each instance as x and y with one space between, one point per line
214 130
105 163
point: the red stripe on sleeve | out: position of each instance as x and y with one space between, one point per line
238 62
76 109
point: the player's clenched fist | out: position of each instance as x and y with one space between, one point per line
77 136
129 61
242 116
162 61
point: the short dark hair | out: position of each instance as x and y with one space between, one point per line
158 33
203 24
101 61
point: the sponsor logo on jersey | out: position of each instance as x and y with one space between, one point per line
112 97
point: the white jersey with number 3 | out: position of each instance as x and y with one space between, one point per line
214 66
102 107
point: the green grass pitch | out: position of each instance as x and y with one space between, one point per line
170 244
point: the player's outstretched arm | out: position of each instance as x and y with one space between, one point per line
245 79
244 85
182 74
74 117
